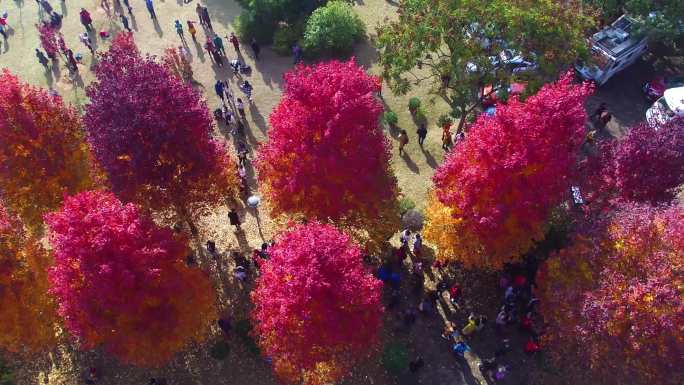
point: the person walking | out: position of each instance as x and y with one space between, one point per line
85 39
218 88
403 141
218 43
86 20
422 134
150 8
124 21
236 43
71 61
200 13
297 53
207 19
255 48
234 219
3 32
192 30
179 30
209 46
446 138
42 59
240 107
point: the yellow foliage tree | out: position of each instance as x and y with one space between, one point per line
27 312
42 152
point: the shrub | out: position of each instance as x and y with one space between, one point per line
6 377
443 120
333 28
421 115
286 36
219 351
406 204
250 24
413 104
395 357
390 118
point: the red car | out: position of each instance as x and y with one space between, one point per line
491 98
655 88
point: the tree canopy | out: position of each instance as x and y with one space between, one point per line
27 312
42 152
151 133
326 157
614 299
122 282
455 46
495 190
317 308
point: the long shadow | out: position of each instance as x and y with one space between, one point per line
410 163
63 7
48 77
200 50
252 140
134 23
429 158
258 118
157 27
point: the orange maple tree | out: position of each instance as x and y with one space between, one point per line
42 152
27 312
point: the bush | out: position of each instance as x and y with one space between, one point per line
219 351
421 115
390 118
413 104
333 28
6 377
395 358
285 37
443 120
406 204
249 24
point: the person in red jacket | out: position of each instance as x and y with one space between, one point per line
86 20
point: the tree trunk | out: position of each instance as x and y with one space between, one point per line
183 212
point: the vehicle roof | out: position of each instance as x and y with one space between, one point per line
617 39
675 99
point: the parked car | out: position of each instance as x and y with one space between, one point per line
655 88
670 105
500 94
514 61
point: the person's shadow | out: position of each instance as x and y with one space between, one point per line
200 50
410 163
134 22
258 118
157 27
429 158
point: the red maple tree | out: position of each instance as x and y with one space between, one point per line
613 298
122 282
317 308
499 185
326 157
151 133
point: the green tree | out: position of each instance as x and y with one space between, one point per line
456 45
333 28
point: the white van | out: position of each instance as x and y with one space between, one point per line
613 49
670 105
